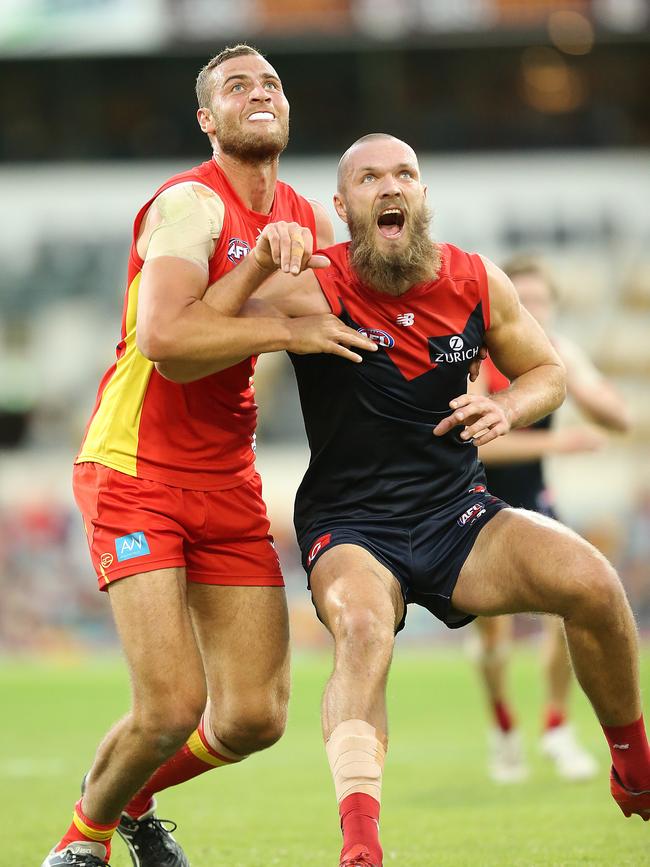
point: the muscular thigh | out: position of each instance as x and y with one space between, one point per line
523 561
243 635
347 577
154 626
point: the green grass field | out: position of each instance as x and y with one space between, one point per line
278 808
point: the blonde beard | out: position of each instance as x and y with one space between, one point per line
248 147
393 274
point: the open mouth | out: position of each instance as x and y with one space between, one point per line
391 222
261 116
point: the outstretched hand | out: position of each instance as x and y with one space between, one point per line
326 333
287 246
484 419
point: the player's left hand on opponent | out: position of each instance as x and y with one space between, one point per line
475 365
289 247
483 418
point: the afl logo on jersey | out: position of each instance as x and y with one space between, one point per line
237 249
380 337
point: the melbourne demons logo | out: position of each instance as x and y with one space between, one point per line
237 249
318 546
380 337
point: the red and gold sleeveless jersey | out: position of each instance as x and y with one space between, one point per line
198 435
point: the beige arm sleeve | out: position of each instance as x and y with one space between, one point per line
190 219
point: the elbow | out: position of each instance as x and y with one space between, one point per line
560 385
154 344
621 422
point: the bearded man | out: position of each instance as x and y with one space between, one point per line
165 479
393 508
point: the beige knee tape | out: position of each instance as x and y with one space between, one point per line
356 756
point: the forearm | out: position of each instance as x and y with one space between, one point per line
602 404
518 447
206 342
229 293
533 395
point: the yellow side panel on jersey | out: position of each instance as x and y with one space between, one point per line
112 437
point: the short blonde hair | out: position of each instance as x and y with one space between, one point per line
203 79
525 263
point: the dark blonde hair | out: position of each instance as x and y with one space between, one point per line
203 79
525 263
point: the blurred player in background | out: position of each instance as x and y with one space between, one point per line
515 473
166 480
393 507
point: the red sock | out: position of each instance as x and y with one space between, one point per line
360 824
195 757
83 829
554 718
630 754
503 716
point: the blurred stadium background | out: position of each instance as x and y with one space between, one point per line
532 120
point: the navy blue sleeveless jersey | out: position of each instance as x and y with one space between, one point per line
369 425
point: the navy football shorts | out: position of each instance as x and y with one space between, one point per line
425 553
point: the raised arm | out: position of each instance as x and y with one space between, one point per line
521 351
189 332
595 396
174 324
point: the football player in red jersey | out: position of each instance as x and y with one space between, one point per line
165 478
393 507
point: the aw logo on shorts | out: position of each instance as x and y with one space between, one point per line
380 337
133 545
237 249
317 547
472 514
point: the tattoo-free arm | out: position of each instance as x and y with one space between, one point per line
594 395
521 351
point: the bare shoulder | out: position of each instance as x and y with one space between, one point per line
184 207
504 301
324 227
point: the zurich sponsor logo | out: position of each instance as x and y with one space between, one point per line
382 338
237 249
133 545
470 515
451 350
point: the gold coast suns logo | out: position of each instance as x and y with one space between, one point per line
237 249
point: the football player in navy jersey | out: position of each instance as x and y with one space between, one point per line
394 508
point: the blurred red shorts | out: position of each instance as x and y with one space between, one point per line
136 525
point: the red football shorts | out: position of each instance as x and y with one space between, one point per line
136 525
